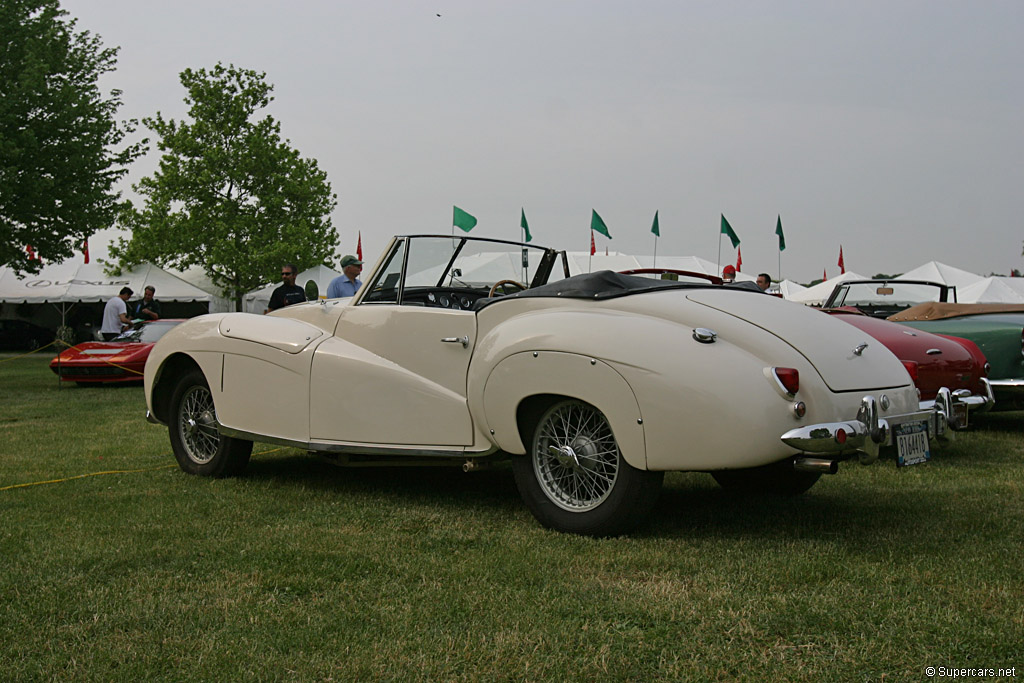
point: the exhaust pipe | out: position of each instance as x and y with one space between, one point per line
819 465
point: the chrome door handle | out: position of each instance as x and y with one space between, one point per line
464 340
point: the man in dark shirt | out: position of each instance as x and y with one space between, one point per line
288 293
148 308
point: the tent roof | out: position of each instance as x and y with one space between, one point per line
934 271
73 282
992 290
819 292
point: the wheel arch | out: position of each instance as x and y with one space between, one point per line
523 385
170 373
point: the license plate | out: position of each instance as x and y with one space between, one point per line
960 413
912 443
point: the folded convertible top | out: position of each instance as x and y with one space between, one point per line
606 284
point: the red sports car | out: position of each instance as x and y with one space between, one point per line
118 360
933 360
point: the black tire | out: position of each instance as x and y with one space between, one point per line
197 444
777 479
586 487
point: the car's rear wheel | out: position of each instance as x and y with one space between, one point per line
197 443
777 479
574 478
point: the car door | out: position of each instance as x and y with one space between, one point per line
394 376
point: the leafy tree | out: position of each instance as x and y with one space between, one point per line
229 195
58 135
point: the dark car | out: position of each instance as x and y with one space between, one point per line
21 335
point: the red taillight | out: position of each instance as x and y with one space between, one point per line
840 436
911 367
789 378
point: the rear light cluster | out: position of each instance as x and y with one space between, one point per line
911 367
789 378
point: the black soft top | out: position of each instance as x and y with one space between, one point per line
607 284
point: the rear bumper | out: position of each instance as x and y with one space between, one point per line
958 404
865 435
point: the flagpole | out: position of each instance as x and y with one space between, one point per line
655 263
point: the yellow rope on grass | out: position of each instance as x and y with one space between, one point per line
96 474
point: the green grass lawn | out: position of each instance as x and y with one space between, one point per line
300 570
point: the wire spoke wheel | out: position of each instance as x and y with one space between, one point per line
197 425
198 445
575 456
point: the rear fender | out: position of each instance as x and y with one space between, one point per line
525 376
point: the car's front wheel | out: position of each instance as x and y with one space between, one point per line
197 443
779 479
574 478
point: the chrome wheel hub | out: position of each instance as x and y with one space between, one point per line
576 459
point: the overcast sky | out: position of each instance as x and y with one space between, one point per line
894 129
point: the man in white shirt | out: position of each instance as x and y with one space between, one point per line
115 315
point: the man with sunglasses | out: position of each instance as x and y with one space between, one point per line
288 293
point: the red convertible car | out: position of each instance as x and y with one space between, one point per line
118 360
933 361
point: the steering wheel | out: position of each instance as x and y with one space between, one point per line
503 284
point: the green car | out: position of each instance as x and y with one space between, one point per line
997 329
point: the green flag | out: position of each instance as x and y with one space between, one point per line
654 228
782 238
597 224
525 226
463 220
727 230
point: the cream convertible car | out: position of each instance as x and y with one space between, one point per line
467 350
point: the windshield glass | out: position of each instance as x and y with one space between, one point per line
890 294
146 332
477 264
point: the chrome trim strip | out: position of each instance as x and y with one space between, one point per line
323 447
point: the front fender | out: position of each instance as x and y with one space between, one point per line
526 374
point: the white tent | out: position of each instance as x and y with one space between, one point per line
933 271
583 262
816 295
256 301
789 289
993 290
694 264
77 282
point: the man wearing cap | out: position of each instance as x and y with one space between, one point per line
348 283
729 274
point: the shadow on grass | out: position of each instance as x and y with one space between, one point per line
691 505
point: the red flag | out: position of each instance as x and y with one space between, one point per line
85 249
842 266
359 247
823 275
739 259
593 247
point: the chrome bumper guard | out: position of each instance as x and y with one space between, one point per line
948 401
869 432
